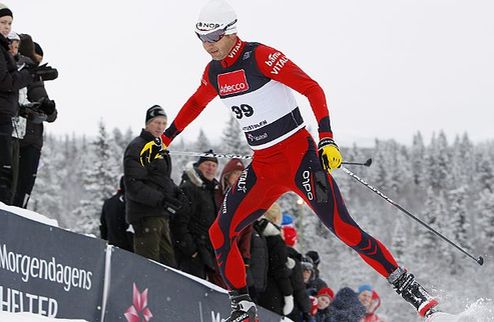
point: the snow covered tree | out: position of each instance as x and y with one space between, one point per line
232 140
417 155
485 204
438 162
202 144
100 181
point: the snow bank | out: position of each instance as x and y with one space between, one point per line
29 214
29 317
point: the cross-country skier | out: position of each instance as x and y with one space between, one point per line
255 82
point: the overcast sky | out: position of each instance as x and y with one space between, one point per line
389 67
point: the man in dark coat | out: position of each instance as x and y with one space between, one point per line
113 226
11 81
151 196
195 254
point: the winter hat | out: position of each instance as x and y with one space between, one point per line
154 111
364 287
206 158
289 235
307 264
287 219
5 11
326 291
37 49
216 15
13 36
232 165
314 256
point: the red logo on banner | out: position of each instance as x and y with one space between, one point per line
232 83
139 312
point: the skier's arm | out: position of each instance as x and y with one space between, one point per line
191 109
275 65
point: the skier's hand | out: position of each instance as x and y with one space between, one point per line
288 307
329 154
151 151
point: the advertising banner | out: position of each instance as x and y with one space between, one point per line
142 290
49 271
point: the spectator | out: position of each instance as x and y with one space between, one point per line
308 273
371 301
278 296
324 298
113 226
37 109
346 307
302 303
316 282
257 273
11 81
150 194
229 176
195 254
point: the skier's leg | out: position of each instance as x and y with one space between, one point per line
321 193
243 204
252 195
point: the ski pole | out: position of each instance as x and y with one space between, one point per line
243 157
479 260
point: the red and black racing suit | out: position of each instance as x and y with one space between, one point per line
255 82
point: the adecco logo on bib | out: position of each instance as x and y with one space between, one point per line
232 83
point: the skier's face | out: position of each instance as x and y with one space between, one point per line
5 25
156 126
220 49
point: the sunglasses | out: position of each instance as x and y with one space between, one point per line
216 35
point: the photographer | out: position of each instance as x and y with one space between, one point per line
38 109
11 81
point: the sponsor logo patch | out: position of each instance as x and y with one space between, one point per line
232 83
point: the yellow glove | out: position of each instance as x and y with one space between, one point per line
329 154
151 151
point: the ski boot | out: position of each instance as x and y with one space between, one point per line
405 284
243 308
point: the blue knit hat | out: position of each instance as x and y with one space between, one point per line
364 287
287 219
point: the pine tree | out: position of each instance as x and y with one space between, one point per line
232 140
485 206
202 144
438 162
100 181
418 160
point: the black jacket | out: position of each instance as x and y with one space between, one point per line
279 284
113 226
259 261
143 196
11 81
302 303
190 228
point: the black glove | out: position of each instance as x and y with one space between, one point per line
43 72
47 105
172 205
